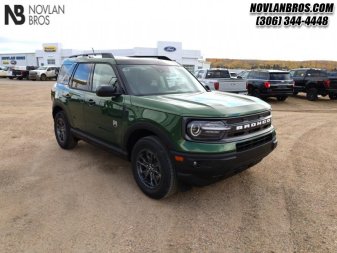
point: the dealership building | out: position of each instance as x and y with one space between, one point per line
54 54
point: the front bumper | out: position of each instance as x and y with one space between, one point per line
202 169
33 77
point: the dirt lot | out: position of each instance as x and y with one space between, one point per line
86 200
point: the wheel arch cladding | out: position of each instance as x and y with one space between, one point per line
140 130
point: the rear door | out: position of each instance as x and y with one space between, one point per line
104 115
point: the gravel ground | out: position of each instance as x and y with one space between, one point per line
86 200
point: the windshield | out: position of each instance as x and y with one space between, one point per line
42 68
280 76
160 79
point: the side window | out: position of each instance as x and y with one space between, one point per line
252 75
65 73
315 73
264 75
323 74
81 76
103 75
299 73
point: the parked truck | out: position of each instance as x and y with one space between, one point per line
44 73
220 79
314 82
21 72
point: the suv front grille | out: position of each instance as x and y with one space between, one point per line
242 146
248 124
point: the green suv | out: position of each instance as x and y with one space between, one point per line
155 113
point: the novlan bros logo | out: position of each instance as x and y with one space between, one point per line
16 15
38 14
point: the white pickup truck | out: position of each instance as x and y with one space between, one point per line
44 73
219 79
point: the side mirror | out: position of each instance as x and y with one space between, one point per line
107 91
239 77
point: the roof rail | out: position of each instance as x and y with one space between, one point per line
160 57
104 55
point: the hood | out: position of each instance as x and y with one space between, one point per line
205 104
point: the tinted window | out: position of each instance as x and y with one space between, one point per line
217 74
323 74
81 76
65 73
264 75
280 76
314 73
160 79
299 73
103 75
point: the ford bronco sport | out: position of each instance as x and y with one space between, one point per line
158 115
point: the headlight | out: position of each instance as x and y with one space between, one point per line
206 130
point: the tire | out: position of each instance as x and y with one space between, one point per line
312 94
63 135
43 77
152 168
333 96
281 98
19 78
11 78
256 93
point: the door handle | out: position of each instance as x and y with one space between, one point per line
67 95
91 102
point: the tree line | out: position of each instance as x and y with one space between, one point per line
270 64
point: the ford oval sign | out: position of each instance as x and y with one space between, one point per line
170 49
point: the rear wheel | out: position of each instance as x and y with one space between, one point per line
333 96
312 94
281 98
62 131
152 168
256 93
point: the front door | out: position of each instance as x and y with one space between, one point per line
75 95
104 115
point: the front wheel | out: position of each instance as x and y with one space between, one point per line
43 77
63 135
281 98
152 168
